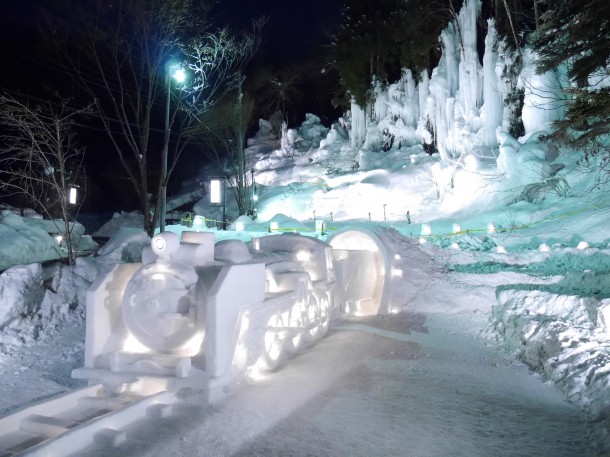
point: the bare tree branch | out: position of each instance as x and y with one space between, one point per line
39 159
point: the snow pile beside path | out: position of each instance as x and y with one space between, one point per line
124 247
28 240
566 337
36 299
21 292
40 299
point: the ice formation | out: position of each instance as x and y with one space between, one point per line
463 104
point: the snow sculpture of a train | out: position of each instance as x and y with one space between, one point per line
199 313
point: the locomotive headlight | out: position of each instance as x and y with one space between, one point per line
166 243
159 243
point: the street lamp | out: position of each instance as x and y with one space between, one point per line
217 195
179 75
73 194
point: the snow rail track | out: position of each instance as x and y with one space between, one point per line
69 423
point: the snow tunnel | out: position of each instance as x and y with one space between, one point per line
361 263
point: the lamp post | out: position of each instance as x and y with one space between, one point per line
179 75
217 196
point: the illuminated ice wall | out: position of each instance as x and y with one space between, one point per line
465 102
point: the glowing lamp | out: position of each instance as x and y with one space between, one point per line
72 195
274 226
239 226
255 198
457 228
216 191
179 75
199 222
582 245
491 228
256 244
59 239
426 229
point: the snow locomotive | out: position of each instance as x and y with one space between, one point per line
200 313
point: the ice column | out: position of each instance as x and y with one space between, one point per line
471 93
492 98
380 108
544 96
358 132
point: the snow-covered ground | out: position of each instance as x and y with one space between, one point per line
501 248
442 376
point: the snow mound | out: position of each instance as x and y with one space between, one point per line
41 299
286 223
564 337
21 292
125 246
119 220
29 240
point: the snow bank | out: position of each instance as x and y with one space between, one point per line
35 300
119 220
29 240
20 291
564 336
125 246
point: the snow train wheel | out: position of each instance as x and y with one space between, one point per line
273 343
324 316
313 315
297 318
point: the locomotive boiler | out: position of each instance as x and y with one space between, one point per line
200 313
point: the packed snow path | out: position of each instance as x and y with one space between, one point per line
400 385
422 382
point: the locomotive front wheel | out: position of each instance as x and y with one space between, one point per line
313 320
324 316
273 343
297 319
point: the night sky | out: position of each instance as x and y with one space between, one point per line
296 30
295 34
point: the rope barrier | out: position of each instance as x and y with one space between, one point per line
190 220
519 227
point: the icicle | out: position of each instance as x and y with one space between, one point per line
544 96
358 132
492 99
470 78
380 107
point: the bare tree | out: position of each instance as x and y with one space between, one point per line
279 92
224 130
122 63
39 160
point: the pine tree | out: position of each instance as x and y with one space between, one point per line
379 37
577 33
